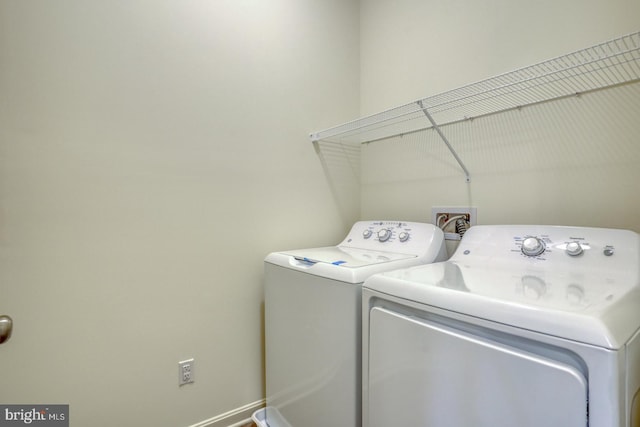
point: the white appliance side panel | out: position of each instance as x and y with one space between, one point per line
313 349
633 381
422 373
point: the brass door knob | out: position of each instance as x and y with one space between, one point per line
6 325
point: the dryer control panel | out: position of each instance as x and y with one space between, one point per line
577 283
571 269
586 247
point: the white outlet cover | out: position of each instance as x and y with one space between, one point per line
186 371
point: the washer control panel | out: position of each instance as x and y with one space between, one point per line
393 236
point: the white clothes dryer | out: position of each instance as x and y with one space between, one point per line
523 326
313 300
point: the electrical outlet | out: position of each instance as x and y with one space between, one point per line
445 218
185 372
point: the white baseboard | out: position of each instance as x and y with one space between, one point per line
234 418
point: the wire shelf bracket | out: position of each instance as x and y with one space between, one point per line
446 141
612 63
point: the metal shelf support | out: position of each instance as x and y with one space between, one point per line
446 141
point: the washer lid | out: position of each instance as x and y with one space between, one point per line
345 256
346 264
599 309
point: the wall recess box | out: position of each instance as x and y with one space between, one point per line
441 214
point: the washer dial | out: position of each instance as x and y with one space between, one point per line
384 234
532 246
403 236
573 249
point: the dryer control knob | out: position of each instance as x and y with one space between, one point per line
574 249
403 236
532 246
384 234
366 234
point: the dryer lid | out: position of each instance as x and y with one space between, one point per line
593 298
601 311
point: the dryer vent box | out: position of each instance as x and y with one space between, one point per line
441 214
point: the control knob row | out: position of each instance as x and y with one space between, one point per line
533 246
385 234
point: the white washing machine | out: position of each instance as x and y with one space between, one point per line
523 326
313 300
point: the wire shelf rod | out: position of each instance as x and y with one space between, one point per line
602 65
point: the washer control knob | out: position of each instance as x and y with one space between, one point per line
573 249
403 236
608 251
532 246
366 234
384 234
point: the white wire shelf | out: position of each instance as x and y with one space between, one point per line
607 64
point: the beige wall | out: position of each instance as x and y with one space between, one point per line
571 162
151 154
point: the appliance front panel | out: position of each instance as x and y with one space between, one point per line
313 335
423 373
